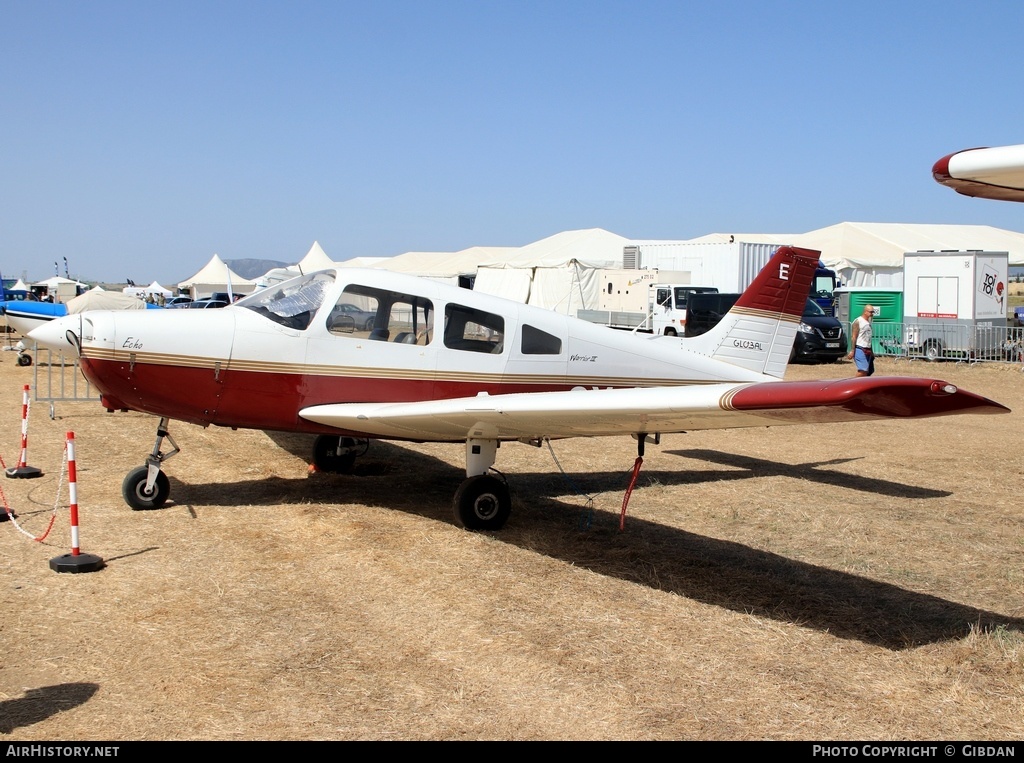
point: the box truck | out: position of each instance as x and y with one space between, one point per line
952 301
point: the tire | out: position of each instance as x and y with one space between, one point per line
133 489
368 326
670 331
932 350
24 360
325 454
482 503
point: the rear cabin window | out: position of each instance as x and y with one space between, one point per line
537 342
365 312
472 330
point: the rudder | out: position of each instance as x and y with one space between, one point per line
758 332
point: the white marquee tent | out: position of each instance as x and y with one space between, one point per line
561 272
871 254
216 276
447 267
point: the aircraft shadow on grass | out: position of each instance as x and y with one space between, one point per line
716 572
39 704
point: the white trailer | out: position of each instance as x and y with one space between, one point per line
954 303
629 297
729 267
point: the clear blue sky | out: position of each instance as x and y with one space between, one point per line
139 138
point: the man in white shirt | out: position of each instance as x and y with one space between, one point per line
860 337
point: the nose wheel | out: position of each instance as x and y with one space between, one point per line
147 487
140 497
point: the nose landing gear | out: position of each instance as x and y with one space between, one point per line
147 487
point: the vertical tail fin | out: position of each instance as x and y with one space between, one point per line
758 333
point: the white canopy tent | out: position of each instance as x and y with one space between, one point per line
315 259
216 276
60 288
447 267
559 273
155 288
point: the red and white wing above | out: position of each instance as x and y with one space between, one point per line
592 413
988 173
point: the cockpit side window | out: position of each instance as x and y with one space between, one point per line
366 312
472 330
292 303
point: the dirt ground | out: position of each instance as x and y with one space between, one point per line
840 582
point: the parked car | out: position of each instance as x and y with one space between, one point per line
819 337
347 317
1018 316
178 302
203 304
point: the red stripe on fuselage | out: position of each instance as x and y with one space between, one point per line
251 400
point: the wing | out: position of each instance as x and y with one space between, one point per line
592 413
988 173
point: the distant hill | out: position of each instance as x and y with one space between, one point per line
249 268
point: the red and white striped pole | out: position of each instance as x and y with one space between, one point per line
23 470
73 494
76 561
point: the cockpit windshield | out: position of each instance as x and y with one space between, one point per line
292 303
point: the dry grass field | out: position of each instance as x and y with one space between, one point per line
840 582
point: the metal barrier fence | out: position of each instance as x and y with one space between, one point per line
58 380
949 341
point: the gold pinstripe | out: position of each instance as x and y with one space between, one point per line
753 312
409 374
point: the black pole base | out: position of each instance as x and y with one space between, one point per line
23 472
72 563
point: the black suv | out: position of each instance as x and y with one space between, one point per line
819 337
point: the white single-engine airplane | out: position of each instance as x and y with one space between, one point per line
353 355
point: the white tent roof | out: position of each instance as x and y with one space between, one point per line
55 281
216 273
316 259
156 288
20 286
871 254
362 262
442 265
591 247
559 272
883 244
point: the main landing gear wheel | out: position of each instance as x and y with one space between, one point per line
482 503
135 494
337 454
24 360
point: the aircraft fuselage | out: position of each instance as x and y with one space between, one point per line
361 336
